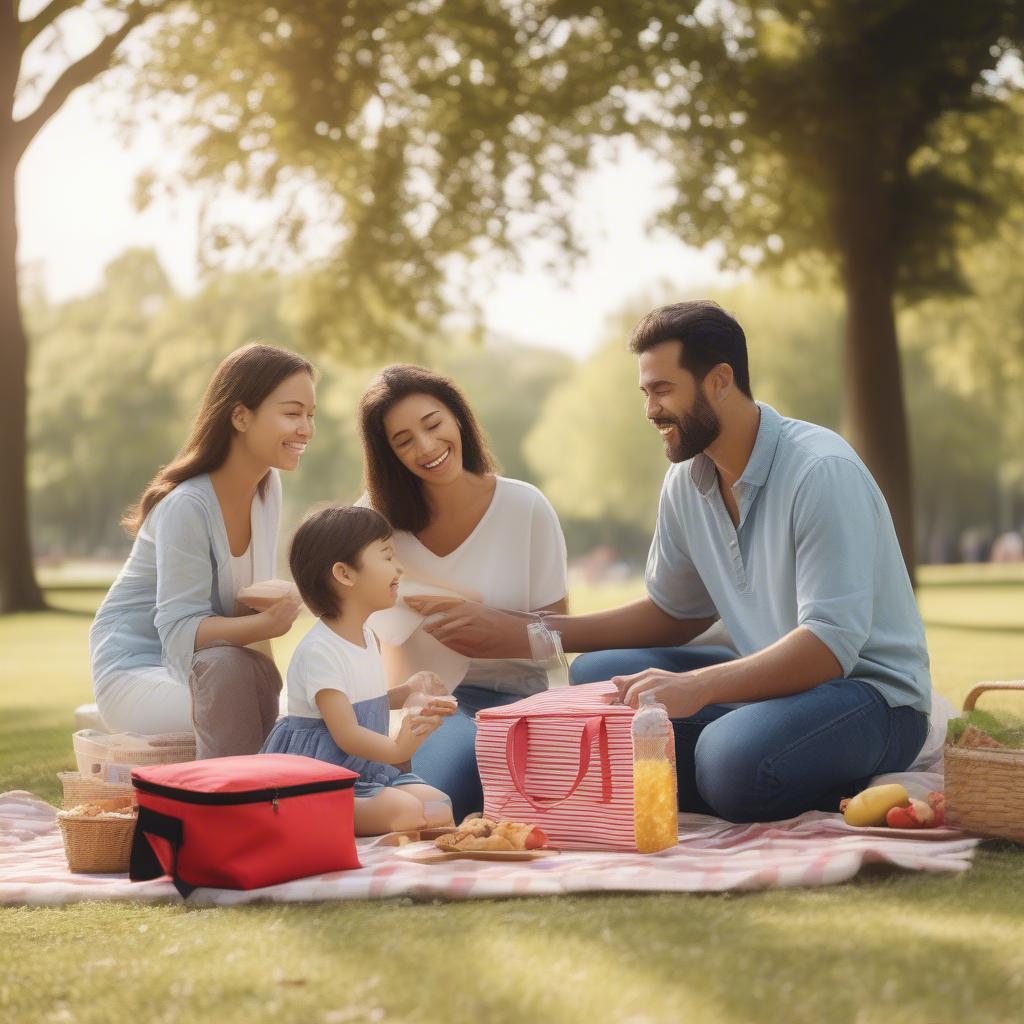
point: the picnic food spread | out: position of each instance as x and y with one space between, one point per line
478 834
919 814
98 834
97 810
891 805
869 807
986 730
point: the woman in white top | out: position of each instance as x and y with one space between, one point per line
169 643
459 528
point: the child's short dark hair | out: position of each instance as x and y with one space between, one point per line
339 533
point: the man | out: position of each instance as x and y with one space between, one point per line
775 526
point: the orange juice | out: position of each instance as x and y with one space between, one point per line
654 804
655 814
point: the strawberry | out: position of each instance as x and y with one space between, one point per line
536 839
918 815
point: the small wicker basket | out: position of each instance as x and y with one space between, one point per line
79 789
985 788
96 845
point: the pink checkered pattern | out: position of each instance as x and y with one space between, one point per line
712 856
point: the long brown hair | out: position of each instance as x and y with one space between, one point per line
393 490
245 377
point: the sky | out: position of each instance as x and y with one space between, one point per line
75 188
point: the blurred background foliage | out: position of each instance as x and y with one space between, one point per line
362 169
117 376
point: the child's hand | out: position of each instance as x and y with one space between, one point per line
428 683
422 725
439 707
415 728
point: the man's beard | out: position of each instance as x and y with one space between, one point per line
695 432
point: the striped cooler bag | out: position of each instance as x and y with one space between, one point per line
561 760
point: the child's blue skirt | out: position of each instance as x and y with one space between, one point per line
310 737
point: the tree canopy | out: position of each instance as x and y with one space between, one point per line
407 146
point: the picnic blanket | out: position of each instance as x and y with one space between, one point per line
813 849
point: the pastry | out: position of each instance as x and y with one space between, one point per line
483 834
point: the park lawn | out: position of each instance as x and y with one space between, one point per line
888 947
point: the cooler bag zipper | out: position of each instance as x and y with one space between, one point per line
269 795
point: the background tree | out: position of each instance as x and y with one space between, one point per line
863 132
102 417
398 140
18 589
392 138
594 454
975 346
117 376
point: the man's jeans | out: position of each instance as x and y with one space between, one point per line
777 758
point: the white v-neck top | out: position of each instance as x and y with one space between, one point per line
515 559
241 570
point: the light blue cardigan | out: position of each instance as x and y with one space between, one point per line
178 573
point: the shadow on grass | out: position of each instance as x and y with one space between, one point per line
935 949
808 956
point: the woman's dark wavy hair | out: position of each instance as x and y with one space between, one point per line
392 489
245 377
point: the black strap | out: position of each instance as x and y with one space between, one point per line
144 863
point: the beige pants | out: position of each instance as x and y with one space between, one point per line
235 693
231 701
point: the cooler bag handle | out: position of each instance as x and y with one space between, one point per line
145 864
517 747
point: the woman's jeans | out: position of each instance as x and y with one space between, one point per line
447 758
776 758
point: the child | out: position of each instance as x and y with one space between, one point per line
344 566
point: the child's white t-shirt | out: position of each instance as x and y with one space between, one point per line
514 559
325 661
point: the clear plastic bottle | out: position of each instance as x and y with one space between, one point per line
546 649
655 809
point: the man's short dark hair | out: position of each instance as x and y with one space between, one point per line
708 334
338 533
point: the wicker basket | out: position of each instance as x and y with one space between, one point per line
78 789
99 845
110 758
985 788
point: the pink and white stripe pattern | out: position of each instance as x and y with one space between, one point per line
561 760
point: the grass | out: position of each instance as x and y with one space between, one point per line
887 947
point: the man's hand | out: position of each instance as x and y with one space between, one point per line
472 629
682 693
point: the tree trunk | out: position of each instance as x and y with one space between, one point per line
18 588
874 411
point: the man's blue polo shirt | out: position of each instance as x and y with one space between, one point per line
815 547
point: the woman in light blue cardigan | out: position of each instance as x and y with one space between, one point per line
170 645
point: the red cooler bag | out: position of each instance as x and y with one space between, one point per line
243 822
561 760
